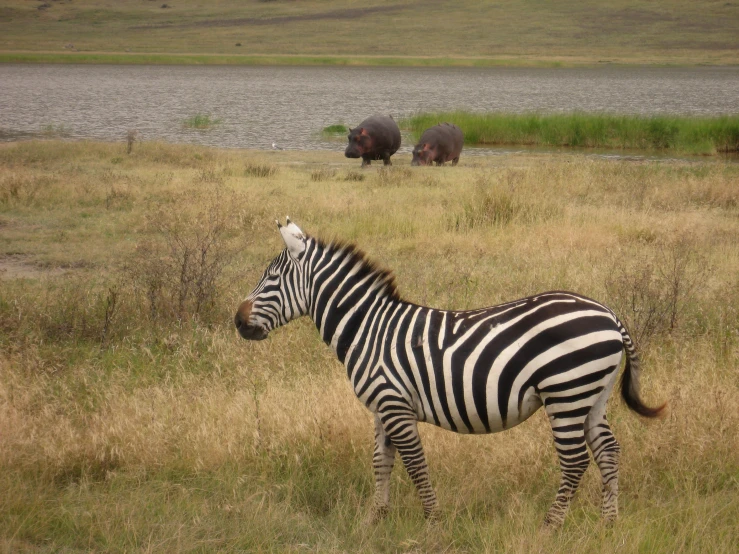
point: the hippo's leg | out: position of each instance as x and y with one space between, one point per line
386 159
455 161
366 162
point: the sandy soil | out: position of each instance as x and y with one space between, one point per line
23 267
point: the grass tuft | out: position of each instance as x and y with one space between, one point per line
388 176
252 169
55 131
322 174
201 121
337 129
354 175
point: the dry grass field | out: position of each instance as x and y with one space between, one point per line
133 419
465 32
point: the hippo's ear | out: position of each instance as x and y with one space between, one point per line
363 132
294 238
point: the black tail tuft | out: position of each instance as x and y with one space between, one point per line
630 389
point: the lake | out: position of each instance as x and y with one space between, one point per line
290 105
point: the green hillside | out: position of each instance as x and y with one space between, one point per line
358 31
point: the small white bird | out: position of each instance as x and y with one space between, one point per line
275 147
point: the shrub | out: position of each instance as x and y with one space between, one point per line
651 293
180 268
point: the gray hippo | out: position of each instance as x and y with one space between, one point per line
440 143
376 138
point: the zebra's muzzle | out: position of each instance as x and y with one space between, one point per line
252 332
246 330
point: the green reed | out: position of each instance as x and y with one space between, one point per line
692 135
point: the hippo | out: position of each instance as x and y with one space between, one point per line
376 138
439 144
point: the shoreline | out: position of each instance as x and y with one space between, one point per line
134 58
474 153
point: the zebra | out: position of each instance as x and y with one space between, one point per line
475 371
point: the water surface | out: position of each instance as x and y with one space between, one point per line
259 106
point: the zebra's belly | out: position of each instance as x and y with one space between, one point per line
472 423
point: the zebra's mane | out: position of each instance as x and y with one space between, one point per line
356 255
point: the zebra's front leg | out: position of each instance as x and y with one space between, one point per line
403 433
382 464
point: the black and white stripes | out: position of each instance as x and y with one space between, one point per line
477 371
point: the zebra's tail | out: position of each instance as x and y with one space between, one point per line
630 379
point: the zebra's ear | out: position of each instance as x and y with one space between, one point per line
294 238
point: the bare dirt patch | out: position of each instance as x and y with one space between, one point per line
23 267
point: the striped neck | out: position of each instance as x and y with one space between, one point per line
344 288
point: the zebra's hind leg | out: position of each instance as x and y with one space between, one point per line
382 463
604 446
569 440
606 453
605 449
403 433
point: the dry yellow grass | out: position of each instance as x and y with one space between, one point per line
177 436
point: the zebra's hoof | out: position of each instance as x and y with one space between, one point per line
547 530
549 526
376 514
433 516
609 521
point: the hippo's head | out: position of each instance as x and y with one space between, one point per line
423 154
360 143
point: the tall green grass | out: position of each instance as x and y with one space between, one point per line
693 135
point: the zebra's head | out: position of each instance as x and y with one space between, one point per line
279 296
